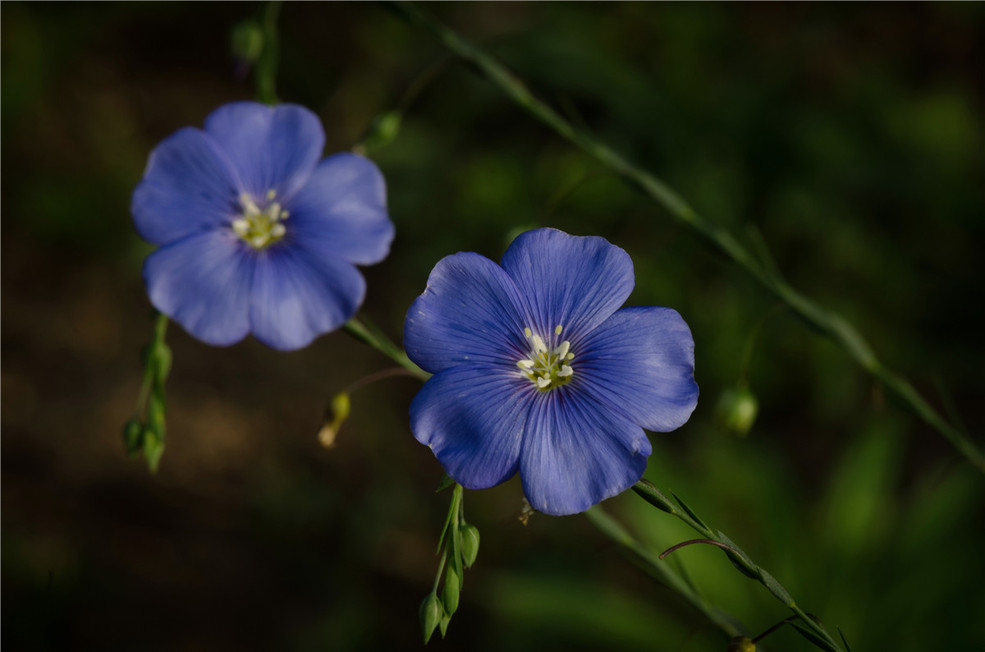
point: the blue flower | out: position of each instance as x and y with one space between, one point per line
256 234
538 371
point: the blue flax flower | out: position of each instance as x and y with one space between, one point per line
538 371
256 234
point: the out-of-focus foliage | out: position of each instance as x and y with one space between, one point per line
849 139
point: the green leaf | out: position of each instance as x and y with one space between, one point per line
814 638
649 492
704 528
740 559
776 588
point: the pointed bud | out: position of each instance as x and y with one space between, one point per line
468 544
737 409
133 436
431 614
451 590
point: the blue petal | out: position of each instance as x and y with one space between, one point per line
188 187
342 209
203 283
468 313
272 147
575 282
640 362
577 453
300 293
473 418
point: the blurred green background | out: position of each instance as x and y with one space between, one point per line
849 138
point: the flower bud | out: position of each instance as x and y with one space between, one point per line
335 415
246 42
737 409
133 436
468 543
741 644
382 131
451 590
431 614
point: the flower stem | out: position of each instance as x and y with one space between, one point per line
661 571
739 559
266 68
368 334
716 237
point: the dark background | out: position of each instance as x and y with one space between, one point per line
850 137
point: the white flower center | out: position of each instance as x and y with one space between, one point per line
546 368
258 227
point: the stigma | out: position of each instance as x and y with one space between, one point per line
258 227
547 367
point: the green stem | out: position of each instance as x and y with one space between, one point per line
660 570
824 321
266 68
372 336
741 560
160 330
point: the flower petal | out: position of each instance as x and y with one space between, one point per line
188 186
299 293
577 453
342 209
640 362
468 313
272 147
575 282
203 283
473 417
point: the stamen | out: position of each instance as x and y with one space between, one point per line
260 227
241 226
547 368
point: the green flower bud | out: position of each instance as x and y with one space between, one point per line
246 41
451 590
736 410
431 613
741 644
335 415
133 436
468 543
383 130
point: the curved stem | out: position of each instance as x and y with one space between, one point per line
716 237
374 337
